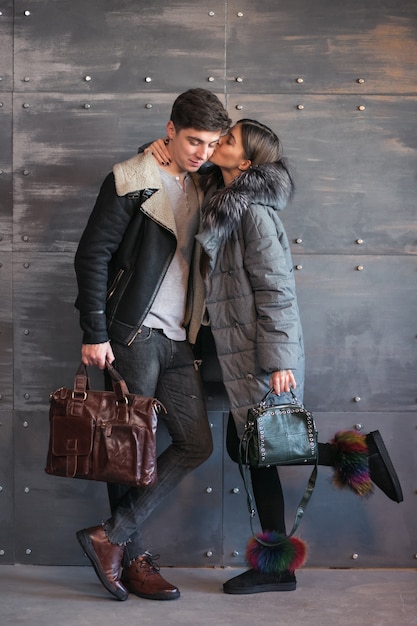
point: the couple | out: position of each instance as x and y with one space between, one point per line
165 249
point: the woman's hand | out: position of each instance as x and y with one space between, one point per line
282 381
159 149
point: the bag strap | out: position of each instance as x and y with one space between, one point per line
300 509
82 383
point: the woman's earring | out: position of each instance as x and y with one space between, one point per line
166 141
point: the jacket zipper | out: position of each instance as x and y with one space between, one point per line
116 281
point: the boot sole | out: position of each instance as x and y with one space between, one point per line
290 586
156 596
85 542
381 449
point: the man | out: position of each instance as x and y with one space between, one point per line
138 294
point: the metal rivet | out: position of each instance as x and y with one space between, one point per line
87 79
240 14
1 172
26 105
26 489
211 13
357 399
299 80
239 107
25 172
87 106
25 424
26 265
358 426
359 241
211 79
298 240
2 553
26 396
148 106
235 490
239 79
28 551
25 238
359 268
361 107
209 553
27 13
26 79
355 556
300 107
361 81
26 331
298 267
1 105
1 488
148 79
235 553
209 489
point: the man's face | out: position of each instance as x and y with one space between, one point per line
190 148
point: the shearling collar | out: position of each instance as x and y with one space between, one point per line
141 172
269 184
138 172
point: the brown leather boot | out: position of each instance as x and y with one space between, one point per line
143 579
106 558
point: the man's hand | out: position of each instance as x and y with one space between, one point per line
281 381
97 354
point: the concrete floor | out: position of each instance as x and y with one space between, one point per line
72 596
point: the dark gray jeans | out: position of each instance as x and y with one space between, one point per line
156 366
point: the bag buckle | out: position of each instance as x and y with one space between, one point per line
79 395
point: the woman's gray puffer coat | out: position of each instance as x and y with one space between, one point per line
251 299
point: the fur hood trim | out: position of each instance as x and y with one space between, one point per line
270 184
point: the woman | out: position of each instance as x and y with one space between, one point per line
253 313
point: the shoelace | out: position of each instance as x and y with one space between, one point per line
147 563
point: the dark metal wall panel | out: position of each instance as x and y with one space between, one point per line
6 332
129 46
360 338
6 46
354 170
340 528
6 205
62 153
187 528
46 334
49 510
329 45
7 537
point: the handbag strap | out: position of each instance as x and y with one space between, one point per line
300 509
82 383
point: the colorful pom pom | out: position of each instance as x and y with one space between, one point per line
289 555
352 465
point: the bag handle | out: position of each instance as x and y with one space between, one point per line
82 383
303 502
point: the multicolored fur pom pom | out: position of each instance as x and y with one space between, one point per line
351 465
289 555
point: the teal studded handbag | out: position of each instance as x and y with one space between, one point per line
279 434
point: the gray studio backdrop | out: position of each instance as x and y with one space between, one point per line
82 85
